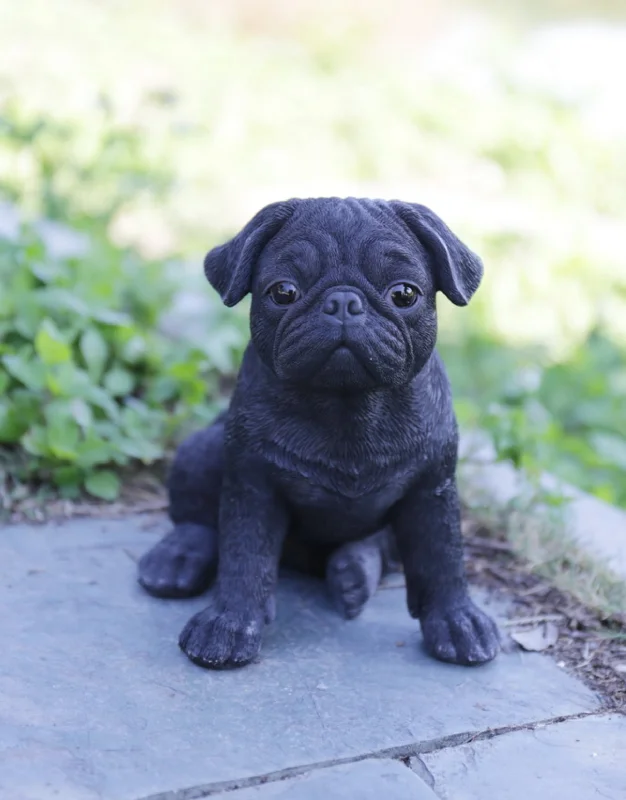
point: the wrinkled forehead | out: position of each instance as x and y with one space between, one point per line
343 238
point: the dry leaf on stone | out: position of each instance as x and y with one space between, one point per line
537 639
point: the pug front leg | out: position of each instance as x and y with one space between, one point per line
252 525
427 526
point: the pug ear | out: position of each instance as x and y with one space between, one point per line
229 267
456 269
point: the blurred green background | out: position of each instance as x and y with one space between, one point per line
142 133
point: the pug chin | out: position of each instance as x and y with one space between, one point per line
344 371
339 370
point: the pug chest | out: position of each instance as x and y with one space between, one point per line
341 501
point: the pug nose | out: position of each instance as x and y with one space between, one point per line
344 306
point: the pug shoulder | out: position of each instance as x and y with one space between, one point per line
338 451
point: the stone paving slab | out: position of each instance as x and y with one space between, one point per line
578 760
96 700
366 780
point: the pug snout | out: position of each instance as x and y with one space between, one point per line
343 305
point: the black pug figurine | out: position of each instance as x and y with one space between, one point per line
339 447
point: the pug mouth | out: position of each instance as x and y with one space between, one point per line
344 367
344 350
342 357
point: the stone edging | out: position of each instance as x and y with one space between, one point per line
597 528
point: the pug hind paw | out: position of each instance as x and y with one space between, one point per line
182 564
353 575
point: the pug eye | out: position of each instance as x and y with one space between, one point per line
284 293
404 295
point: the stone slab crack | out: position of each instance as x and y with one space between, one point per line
404 753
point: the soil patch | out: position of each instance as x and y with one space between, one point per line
588 645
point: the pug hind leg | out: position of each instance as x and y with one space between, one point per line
354 571
184 562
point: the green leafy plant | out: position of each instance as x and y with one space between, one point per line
87 383
562 416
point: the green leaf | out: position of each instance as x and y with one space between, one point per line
108 317
103 484
35 441
220 345
610 448
98 397
62 434
69 480
12 427
95 351
48 271
162 390
142 449
67 380
50 345
119 382
134 350
94 451
28 372
27 320
81 412
56 299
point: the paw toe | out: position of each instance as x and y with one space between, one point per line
246 645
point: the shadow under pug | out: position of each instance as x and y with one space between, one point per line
339 448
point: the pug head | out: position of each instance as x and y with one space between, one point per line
343 290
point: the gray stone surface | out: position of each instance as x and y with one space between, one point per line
96 701
367 780
574 760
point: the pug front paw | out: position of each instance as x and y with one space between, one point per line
460 634
222 640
